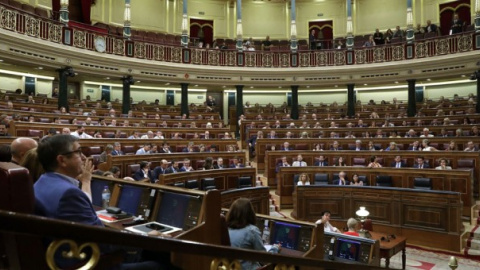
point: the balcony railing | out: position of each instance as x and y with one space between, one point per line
36 27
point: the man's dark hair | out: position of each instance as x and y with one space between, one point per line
5 153
144 164
325 212
51 147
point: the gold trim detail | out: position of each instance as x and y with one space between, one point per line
225 264
74 253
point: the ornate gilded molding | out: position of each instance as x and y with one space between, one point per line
225 264
75 252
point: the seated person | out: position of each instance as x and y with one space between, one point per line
243 232
144 172
283 163
236 164
342 180
303 180
321 162
374 162
443 165
356 181
325 220
352 227
266 44
299 162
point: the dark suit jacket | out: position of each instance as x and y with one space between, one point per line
335 183
163 151
338 149
287 149
411 148
394 164
171 170
277 169
138 175
425 166
156 172
325 163
233 166
117 153
353 148
215 166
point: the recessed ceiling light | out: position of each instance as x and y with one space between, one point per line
196 85
336 85
365 84
463 75
429 79
107 78
308 86
396 81
138 81
40 68
280 87
76 73
251 87
167 83
1 60
224 86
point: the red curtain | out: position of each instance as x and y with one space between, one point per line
326 27
462 7
79 10
55 9
207 28
86 4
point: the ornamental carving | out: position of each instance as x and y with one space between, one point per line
159 53
340 58
360 56
442 46
176 54
321 58
8 19
304 59
213 56
55 32
79 39
139 51
267 59
398 53
250 59
118 46
231 58
465 43
32 26
420 50
379 54
197 56
285 60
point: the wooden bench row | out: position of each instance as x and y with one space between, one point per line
460 181
427 218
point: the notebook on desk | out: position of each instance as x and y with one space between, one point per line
153 226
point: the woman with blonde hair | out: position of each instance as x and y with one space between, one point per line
303 180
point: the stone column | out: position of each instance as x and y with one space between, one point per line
412 103
351 100
410 32
477 75
349 26
293 28
239 106
126 21
239 27
294 113
185 26
184 104
63 75
64 12
477 16
127 81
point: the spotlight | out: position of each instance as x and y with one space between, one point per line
475 75
128 80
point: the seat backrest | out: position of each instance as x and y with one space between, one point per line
192 184
132 168
225 236
16 189
384 181
295 178
367 225
128 149
95 150
359 162
465 163
422 183
244 181
364 179
321 179
35 133
208 184
301 146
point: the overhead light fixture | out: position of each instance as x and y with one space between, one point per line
336 85
365 84
196 85
40 68
429 79
107 78
1 60
280 87
167 83
224 86
308 86
475 75
138 81
396 82
463 76
251 87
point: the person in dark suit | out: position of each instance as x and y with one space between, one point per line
187 167
398 163
117 149
358 146
286 146
253 141
457 25
144 172
342 180
321 162
415 146
219 165
311 40
335 147
430 27
236 164
160 169
421 164
173 168
283 163
165 148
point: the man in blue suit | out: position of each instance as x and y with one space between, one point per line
57 192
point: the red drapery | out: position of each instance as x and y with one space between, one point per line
326 28
207 28
461 7
75 7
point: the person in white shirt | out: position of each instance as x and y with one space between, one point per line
144 150
159 135
303 180
80 133
443 165
299 162
426 133
325 220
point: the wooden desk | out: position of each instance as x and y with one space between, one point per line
392 247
